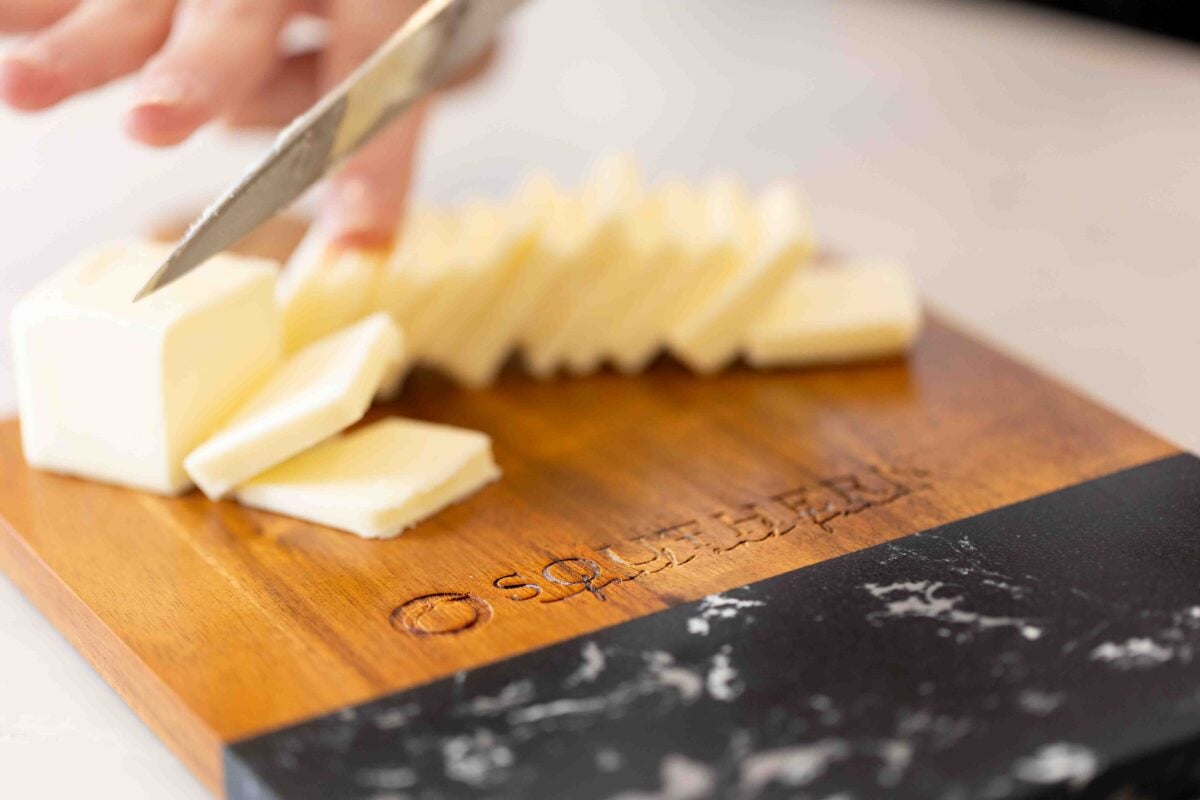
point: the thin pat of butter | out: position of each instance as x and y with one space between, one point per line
379 480
844 313
319 391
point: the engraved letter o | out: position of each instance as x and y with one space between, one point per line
441 614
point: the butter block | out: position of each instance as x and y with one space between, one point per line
379 480
413 271
121 392
841 313
317 392
325 288
772 237
546 227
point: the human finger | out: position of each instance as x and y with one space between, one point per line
219 53
356 29
97 42
20 16
291 89
368 196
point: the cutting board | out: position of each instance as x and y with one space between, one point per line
235 634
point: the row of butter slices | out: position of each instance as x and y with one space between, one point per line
614 273
243 385
191 385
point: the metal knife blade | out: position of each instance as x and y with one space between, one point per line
440 38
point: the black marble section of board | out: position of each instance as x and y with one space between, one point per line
1046 649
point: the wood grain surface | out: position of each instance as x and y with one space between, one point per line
619 497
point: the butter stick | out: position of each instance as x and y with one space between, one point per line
121 392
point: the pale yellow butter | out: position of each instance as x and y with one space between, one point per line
317 392
416 267
119 391
668 243
615 194
840 313
770 238
462 279
586 236
519 280
379 480
324 288
492 251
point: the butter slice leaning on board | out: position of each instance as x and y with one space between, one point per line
493 245
319 391
844 312
121 392
323 289
615 191
484 346
770 238
378 480
667 239
588 232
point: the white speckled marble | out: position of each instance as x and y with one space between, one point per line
909 670
1039 173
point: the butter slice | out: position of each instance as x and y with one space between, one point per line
772 237
843 313
379 480
318 392
616 196
518 282
416 264
665 240
493 246
323 288
121 392
461 280
586 235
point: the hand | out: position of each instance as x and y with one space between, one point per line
206 59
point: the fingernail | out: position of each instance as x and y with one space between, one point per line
167 109
32 53
31 78
164 90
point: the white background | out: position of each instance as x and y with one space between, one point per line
1040 174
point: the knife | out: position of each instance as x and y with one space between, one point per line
440 38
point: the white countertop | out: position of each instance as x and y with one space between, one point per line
1039 173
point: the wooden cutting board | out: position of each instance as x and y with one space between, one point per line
620 497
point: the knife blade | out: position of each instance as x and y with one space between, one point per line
439 38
